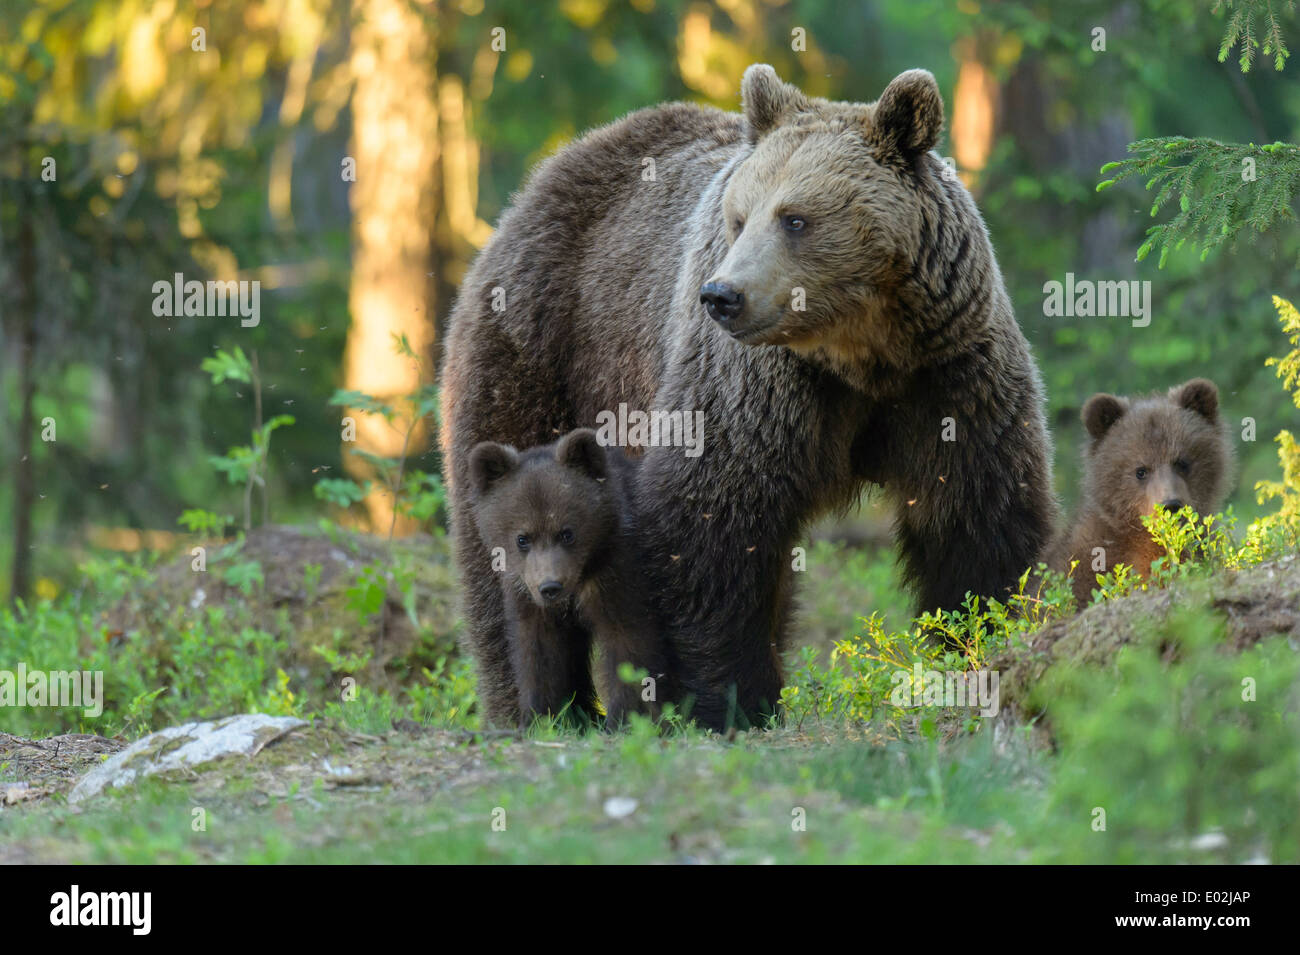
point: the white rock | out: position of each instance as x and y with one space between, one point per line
1209 840
185 747
619 807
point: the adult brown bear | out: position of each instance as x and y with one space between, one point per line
813 280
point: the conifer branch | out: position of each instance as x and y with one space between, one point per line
1220 189
1241 29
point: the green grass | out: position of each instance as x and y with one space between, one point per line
697 800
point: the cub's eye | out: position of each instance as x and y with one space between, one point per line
565 537
738 226
1142 474
1181 466
794 223
522 541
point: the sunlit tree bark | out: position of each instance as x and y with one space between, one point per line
394 204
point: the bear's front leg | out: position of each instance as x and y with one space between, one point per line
636 642
972 483
551 659
715 537
485 625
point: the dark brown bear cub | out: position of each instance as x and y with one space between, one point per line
1162 451
557 522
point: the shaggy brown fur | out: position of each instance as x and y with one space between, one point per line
1165 451
557 521
843 349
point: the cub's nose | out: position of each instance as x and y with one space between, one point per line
721 301
550 589
1173 504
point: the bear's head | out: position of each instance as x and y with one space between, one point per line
1165 451
552 510
825 217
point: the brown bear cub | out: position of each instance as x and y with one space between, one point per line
1162 451
558 524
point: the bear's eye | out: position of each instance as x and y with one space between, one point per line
1141 474
522 541
1182 467
565 537
794 223
738 226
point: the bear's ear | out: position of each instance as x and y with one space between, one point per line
489 462
1200 395
767 99
909 113
580 449
1100 412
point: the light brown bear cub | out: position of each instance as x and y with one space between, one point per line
1160 451
558 524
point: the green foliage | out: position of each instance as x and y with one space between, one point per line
1218 194
217 660
367 594
246 464
342 662
423 497
207 668
311 574
204 523
448 695
1241 29
228 366
246 575
1288 366
1204 544
279 699
363 402
341 492
1176 751
417 494
1283 525
1281 529
861 683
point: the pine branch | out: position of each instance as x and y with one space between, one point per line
1221 189
1241 29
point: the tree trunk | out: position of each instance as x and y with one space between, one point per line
394 203
25 478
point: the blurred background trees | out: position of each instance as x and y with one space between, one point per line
352 156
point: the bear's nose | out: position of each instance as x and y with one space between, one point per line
1173 504
721 301
550 589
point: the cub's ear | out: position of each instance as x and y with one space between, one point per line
580 450
909 113
1100 412
766 99
489 462
1200 395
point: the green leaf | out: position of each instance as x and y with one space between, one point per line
363 402
224 366
341 491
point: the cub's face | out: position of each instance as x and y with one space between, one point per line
1156 452
549 510
822 219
